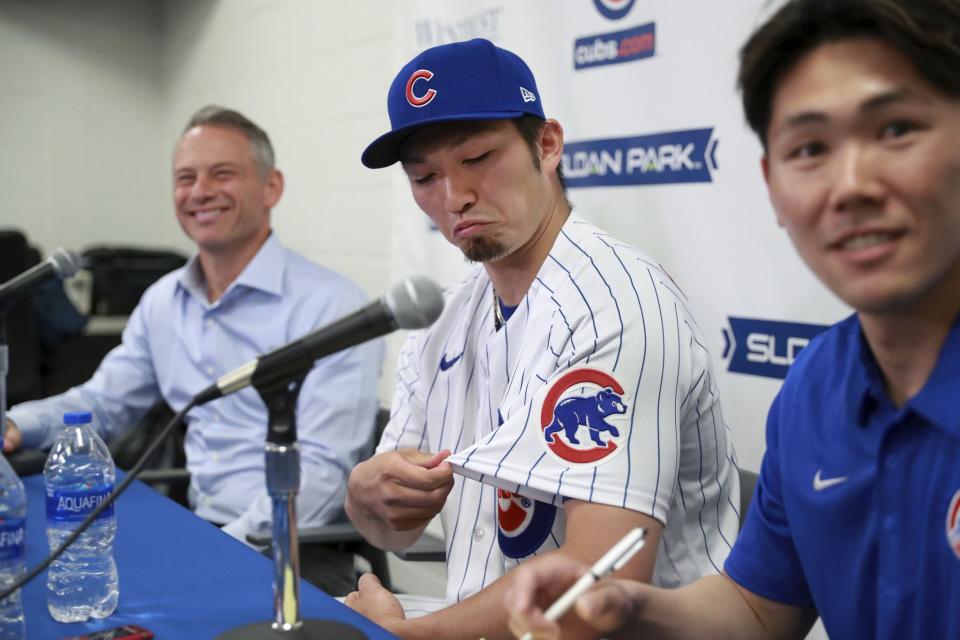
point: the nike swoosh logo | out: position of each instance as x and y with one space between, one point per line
446 364
819 484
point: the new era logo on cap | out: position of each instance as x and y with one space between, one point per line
473 80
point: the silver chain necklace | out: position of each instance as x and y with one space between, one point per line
498 319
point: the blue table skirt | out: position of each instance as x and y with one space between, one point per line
180 576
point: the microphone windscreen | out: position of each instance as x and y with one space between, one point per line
65 262
415 302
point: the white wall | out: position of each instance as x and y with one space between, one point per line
80 107
93 95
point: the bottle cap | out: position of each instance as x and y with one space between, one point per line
77 417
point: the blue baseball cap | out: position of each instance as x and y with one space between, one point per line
473 80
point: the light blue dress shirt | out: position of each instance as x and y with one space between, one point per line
178 343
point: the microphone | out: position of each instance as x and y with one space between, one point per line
61 264
412 303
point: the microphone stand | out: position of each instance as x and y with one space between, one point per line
283 484
4 369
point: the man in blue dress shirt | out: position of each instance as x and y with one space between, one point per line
856 517
242 294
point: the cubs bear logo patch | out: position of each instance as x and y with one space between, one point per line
523 524
953 524
580 416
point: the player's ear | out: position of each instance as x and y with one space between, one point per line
550 145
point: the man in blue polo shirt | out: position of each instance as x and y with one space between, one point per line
857 512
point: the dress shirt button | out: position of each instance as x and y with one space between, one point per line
477 535
215 457
889 522
210 370
209 322
891 463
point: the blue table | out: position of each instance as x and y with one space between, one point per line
180 576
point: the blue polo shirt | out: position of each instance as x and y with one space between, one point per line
857 510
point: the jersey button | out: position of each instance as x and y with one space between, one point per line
889 522
477 535
891 463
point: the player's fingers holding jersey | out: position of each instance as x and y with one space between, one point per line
422 470
417 487
405 488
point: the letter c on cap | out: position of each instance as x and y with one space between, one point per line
420 101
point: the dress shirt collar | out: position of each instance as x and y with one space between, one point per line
264 272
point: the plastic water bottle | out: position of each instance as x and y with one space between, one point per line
13 513
79 475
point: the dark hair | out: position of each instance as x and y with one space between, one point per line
925 32
530 127
214 115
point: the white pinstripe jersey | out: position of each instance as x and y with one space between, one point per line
604 339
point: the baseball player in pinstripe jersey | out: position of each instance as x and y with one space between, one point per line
565 394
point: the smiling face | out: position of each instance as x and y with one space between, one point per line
863 169
478 183
222 201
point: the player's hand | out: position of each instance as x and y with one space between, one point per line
12 438
606 608
376 603
405 488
